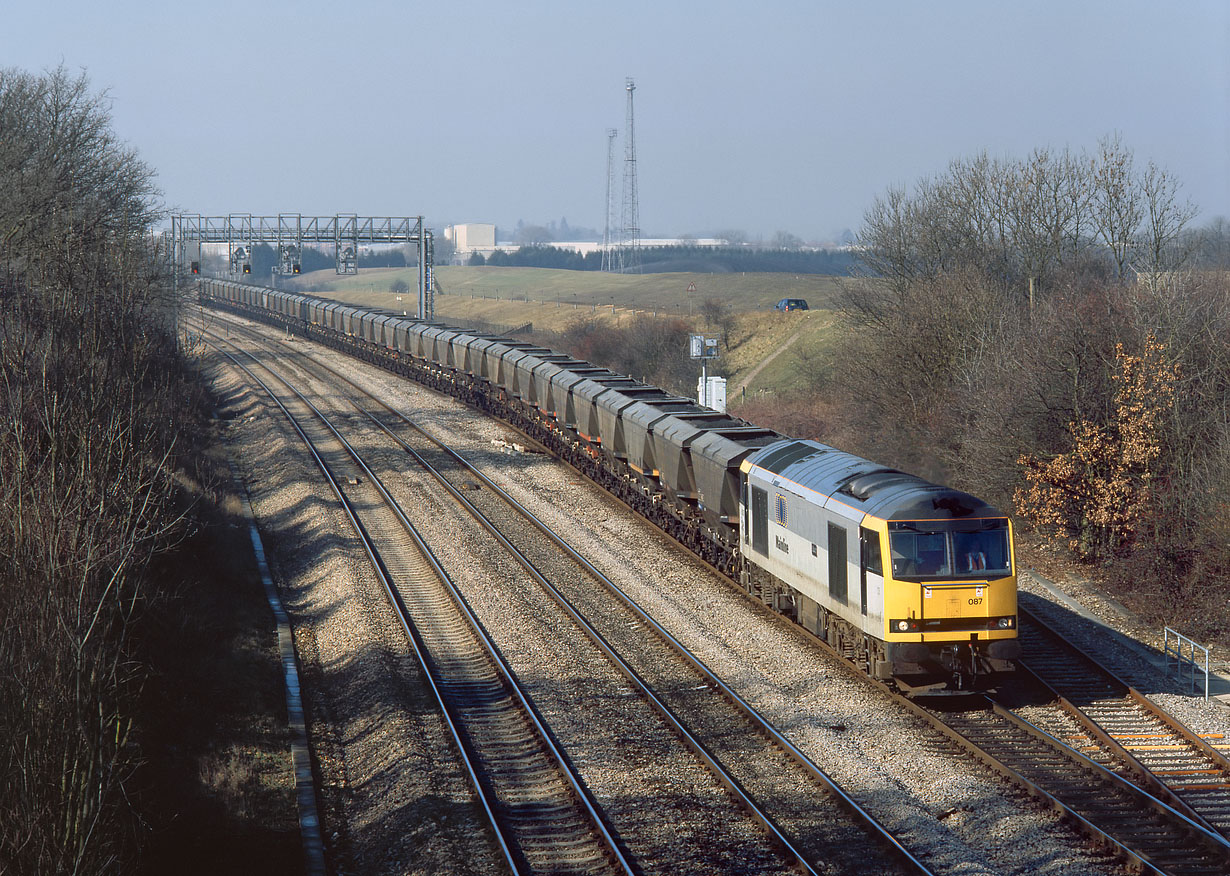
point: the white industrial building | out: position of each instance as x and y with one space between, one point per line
479 237
471 237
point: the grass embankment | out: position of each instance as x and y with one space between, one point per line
665 293
769 353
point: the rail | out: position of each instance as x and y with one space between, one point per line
514 854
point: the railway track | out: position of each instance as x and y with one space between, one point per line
821 827
1149 835
1120 727
1144 833
539 810
829 830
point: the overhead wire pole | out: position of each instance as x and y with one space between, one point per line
426 308
607 243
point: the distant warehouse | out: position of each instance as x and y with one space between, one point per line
471 237
479 237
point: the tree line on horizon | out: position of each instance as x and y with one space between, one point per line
683 258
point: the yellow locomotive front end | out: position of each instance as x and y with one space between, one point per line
913 581
950 610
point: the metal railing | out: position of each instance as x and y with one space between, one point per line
1181 652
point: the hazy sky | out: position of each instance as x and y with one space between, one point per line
759 115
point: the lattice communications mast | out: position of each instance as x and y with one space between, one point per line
608 245
630 236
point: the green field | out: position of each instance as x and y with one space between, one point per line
769 351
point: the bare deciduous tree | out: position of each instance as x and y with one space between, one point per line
1163 245
1031 220
947 371
91 397
1117 202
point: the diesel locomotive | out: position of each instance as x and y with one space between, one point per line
913 581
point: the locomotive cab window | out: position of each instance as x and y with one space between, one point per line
934 549
981 552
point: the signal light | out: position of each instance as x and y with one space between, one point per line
196 267
294 268
247 268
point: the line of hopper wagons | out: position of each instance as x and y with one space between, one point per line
914 582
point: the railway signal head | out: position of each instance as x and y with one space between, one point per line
196 267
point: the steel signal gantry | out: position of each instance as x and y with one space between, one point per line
344 233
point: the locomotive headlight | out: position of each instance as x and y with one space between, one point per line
903 625
1006 623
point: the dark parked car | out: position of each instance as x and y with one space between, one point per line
791 304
